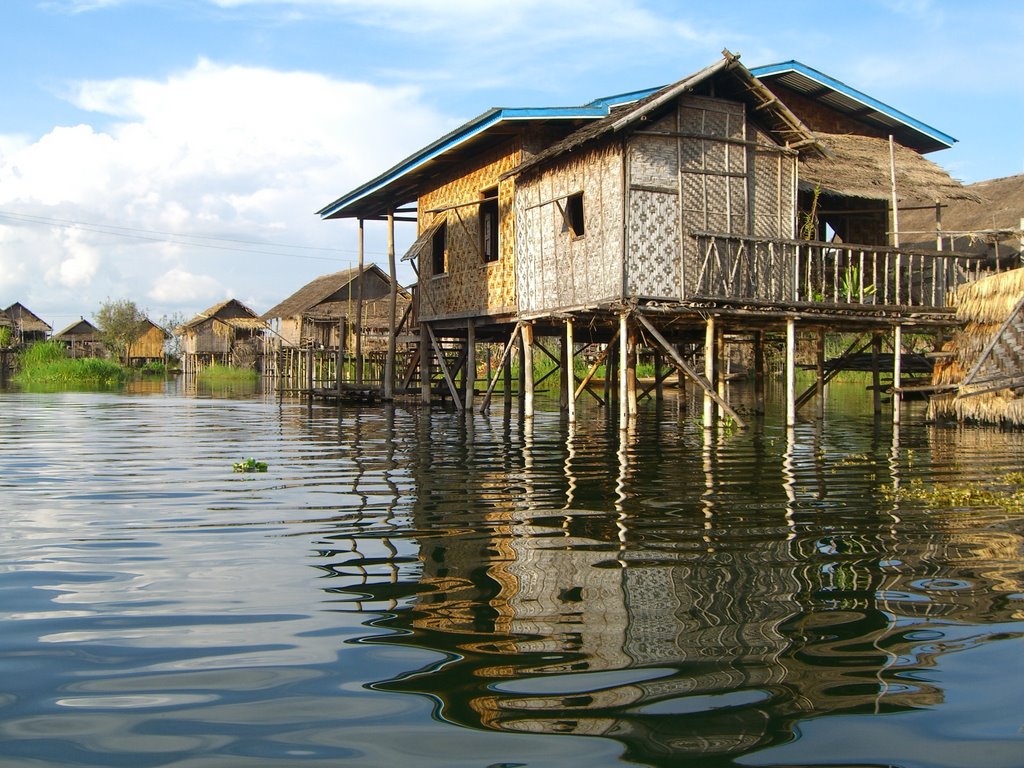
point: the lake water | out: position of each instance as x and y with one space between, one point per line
406 587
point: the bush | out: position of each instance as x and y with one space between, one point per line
46 363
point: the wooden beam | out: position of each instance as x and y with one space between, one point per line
683 366
439 354
501 367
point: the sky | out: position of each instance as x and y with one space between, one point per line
174 152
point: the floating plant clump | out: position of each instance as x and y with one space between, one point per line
250 465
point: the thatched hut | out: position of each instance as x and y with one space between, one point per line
992 225
82 339
149 347
228 333
311 316
982 373
28 326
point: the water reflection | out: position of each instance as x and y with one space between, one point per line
713 598
681 623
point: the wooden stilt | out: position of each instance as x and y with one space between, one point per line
631 354
709 371
759 372
659 382
443 365
389 363
623 371
819 378
570 367
309 373
469 375
897 365
359 311
526 333
507 380
505 367
426 360
876 377
339 366
790 372
563 374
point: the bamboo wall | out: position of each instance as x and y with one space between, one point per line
556 269
640 236
471 287
149 347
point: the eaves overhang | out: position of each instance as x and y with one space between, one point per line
839 96
396 186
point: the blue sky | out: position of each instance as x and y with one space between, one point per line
174 151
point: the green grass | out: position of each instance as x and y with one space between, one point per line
227 374
153 368
46 363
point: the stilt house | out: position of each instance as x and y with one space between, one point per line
82 339
149 347
733 202
312 316
228 333
28 327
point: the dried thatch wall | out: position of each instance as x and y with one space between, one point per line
983 306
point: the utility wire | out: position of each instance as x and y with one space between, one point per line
157 236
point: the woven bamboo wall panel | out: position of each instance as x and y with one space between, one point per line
653 237
470 285
653 161
557 270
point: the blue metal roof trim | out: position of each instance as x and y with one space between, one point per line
461 134
623 98
853 93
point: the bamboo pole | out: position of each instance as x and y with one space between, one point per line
570 405
526 334
359 309
443 365
897 365
759 372
425 364
623 371
876 375
389 363
469 375
631 353
709 371
790 372
505 369
819 382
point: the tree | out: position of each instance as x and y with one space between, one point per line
122 324
170 323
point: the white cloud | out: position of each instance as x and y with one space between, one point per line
178 287
229 152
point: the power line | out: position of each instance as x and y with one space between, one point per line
175 238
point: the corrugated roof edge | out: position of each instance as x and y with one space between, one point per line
837 85
595 109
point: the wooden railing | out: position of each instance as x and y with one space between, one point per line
737 267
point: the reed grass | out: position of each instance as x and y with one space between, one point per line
45 363
227 374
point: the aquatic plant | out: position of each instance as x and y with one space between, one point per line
46 363
250 465
1008 493
227 374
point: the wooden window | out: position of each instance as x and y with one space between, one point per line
574 215
439 251
489 226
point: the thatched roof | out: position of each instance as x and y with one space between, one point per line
328 296
231 312
150 325
860 167
995 216
80 330
732 80
27 320
5 321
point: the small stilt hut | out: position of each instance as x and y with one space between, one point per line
228 333
82 339
28 326
149 347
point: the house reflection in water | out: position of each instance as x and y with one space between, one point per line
701 627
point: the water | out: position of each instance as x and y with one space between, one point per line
406 588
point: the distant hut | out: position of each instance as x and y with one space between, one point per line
82 339
228 333
149 347
990 226
28 327
310 317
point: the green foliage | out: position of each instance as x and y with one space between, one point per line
250 465
6 337
849 284
45 363
121 323
227 374
1008 493
153 368
809 220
